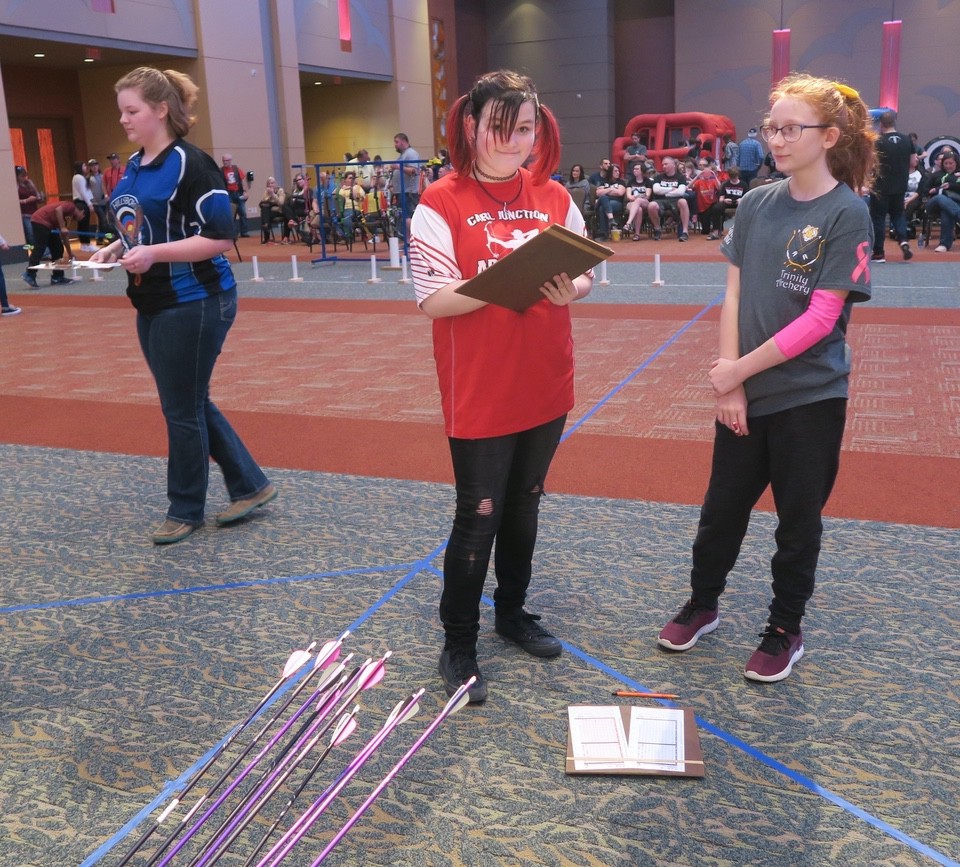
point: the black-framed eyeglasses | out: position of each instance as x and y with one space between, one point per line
790 132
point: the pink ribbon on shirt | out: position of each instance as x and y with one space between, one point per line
863 263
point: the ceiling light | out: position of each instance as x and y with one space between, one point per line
39 55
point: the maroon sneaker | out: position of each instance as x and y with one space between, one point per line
682 632
774 658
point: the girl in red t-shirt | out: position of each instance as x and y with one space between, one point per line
506 378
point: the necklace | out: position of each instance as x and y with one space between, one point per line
494 178
492 196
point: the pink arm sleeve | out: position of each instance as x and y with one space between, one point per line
815 323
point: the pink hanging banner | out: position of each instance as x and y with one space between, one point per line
343 10
781 54
890 65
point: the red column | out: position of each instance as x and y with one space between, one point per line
890 65
781 54
343 11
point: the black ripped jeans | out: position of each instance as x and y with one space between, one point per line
499 481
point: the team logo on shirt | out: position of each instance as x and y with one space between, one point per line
803 251
804 248
502 238
129 219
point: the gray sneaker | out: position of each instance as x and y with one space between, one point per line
30 280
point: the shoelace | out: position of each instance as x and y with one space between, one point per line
773 641
687 612
464 664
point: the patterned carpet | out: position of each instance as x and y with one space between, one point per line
124 664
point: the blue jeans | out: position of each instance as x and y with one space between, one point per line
607 205
797 453
499 481
949 216
880 207
181 345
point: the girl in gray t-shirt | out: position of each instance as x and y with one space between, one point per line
799 258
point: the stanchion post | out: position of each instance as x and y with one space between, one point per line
296 278
394 246
656 270
256 271
373 270
403 273
603 281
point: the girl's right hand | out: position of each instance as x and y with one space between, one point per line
732 411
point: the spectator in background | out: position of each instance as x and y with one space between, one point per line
894 151
297 205
98 198
638 200
610 201
350 198
364 168
912 197
634 153
271 208
669 188
750 157
30 199
577 181
233 178
112 174
50 230
6 308
945 199
82 195
731 192
706 188
598 177
376 205
731 153
408 174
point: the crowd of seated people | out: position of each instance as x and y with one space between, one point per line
693 194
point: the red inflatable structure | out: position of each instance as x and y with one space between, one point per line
662 134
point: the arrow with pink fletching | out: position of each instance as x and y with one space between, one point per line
297 660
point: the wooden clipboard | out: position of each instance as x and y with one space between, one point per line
515 280
692 760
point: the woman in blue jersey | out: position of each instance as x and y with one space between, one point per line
175 223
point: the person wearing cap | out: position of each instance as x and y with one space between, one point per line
112 174
750 157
